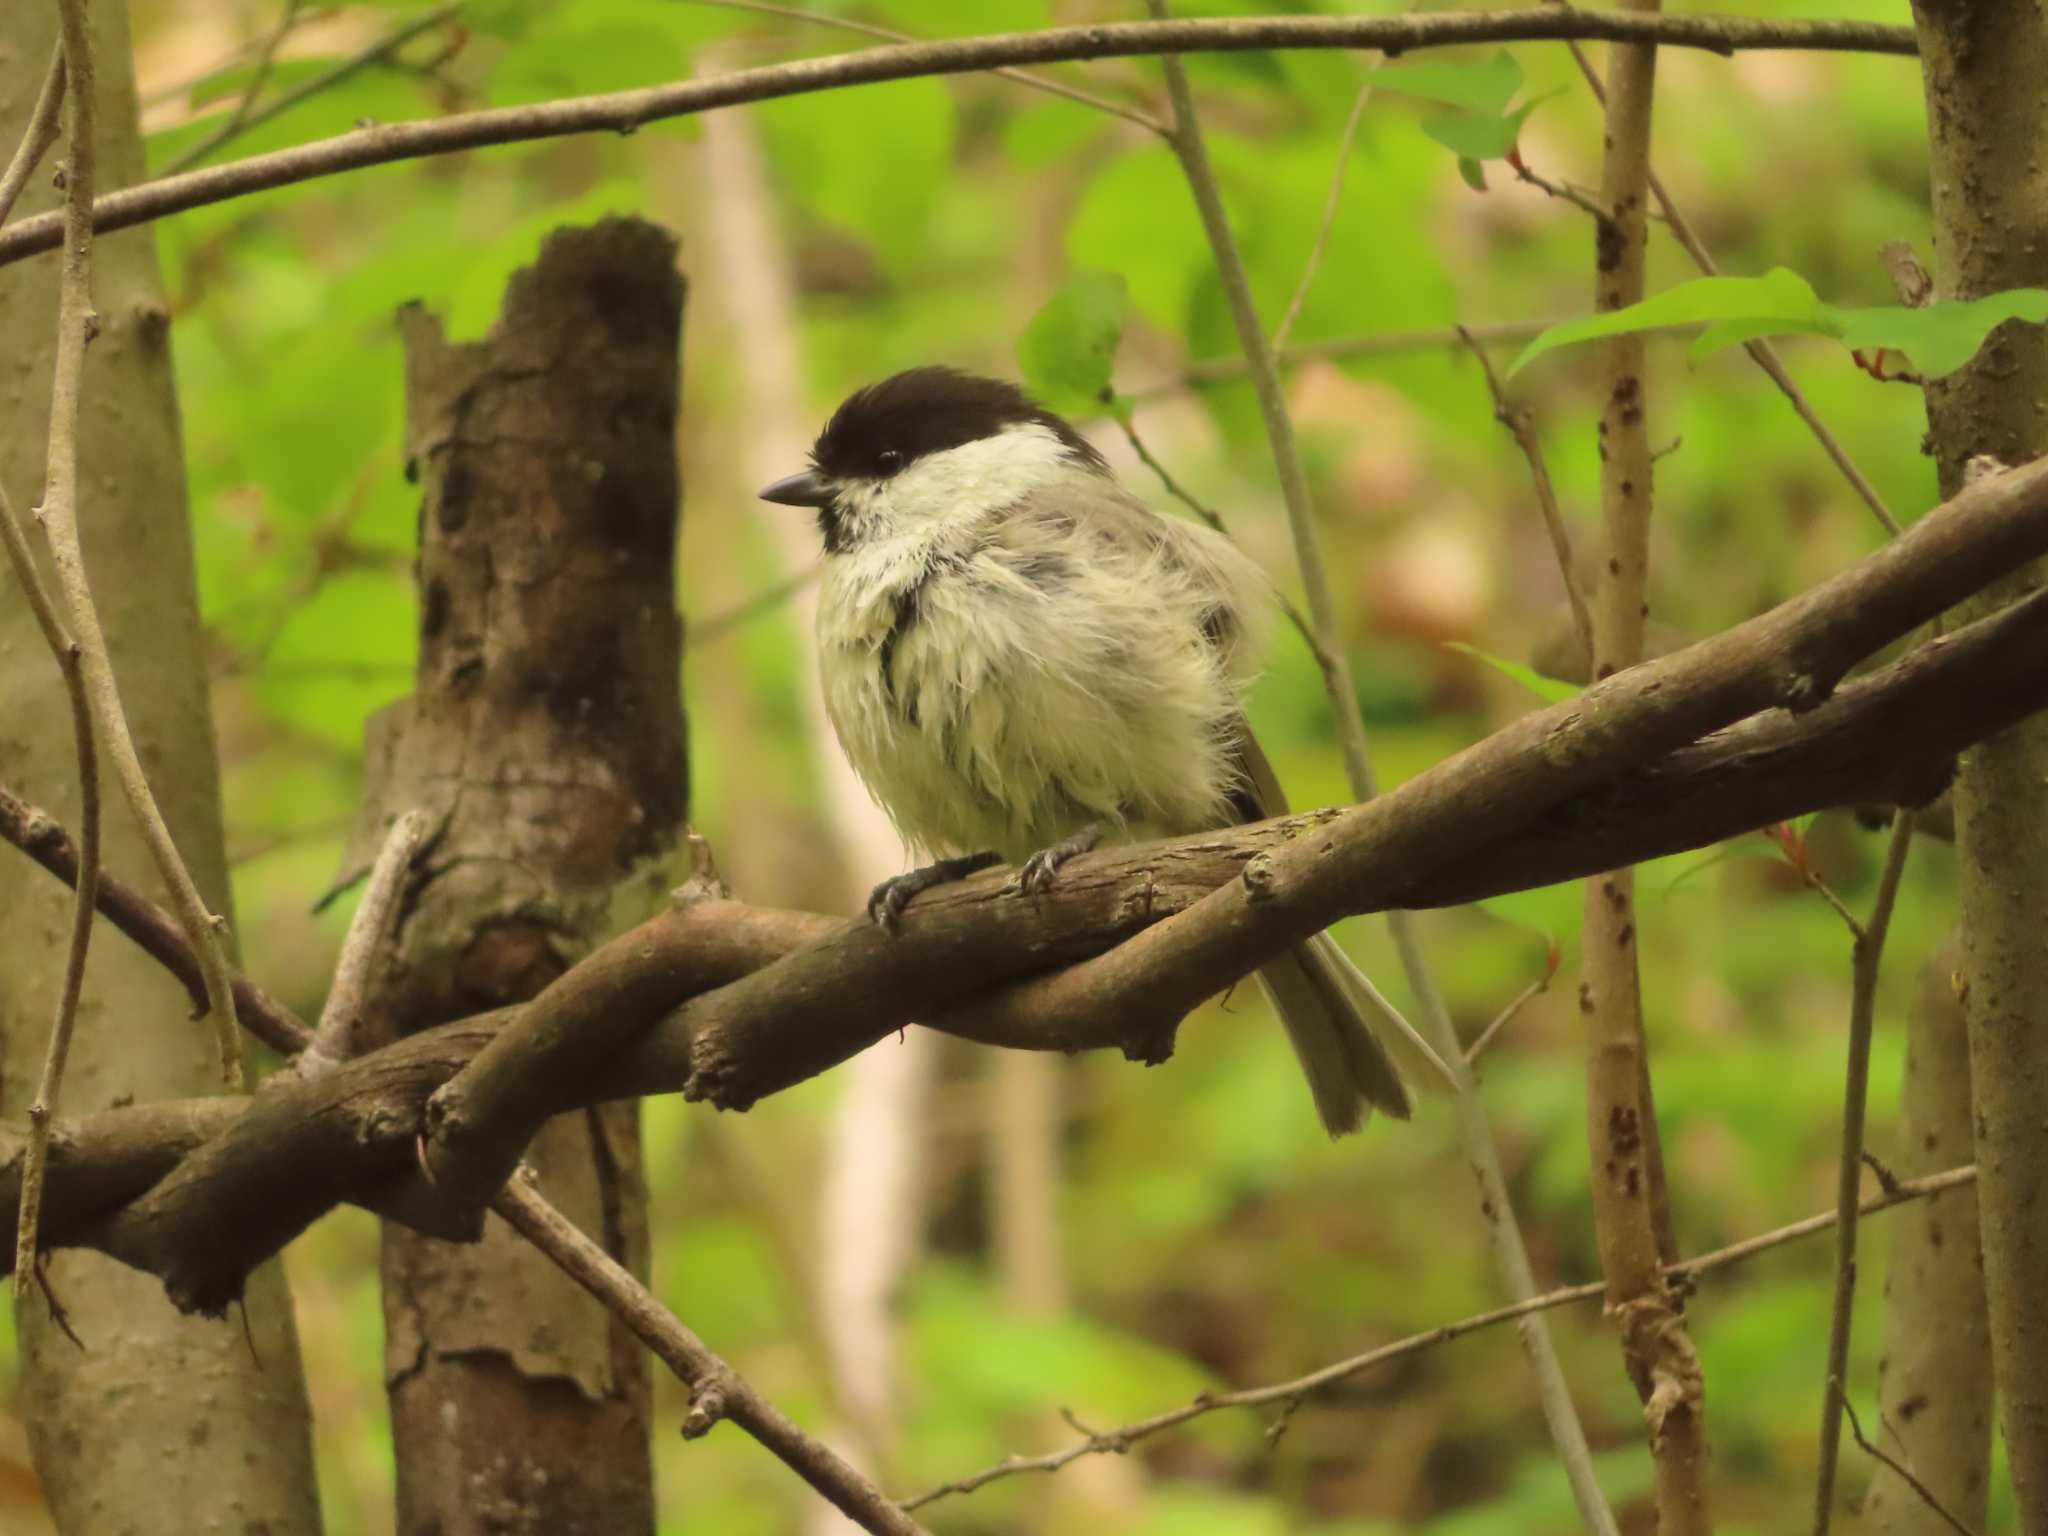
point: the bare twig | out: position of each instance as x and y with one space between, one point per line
84 895
1869 958
335 1039
1124 1436
1563 191
891 35
36 138
1761 352
266 60
341 70
1523 430
1345 140
719 1392
1221 370
1495 1204
1515 1005
1898 1467
626 111
76 324
1214 519
149 926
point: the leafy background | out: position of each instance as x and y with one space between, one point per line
1207 1234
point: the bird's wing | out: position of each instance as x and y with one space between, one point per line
1258 794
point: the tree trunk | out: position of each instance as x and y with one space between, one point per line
158 1411
1985 64
545 737
1936 1413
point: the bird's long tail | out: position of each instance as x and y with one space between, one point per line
1355 1048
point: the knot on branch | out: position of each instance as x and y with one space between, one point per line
708 1405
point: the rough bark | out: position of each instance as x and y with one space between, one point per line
545 738
1985 65
158 1411
1936 1401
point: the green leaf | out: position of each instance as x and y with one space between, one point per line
1473 172
1942 337
1068 351
1548 689
1781 300
1470 136
1481 88
1477 136
1939 339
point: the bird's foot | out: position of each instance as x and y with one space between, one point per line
887 901
1043 867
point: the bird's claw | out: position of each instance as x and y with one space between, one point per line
1039 871
887 901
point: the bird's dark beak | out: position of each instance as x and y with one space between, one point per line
807 489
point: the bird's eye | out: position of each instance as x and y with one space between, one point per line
889 461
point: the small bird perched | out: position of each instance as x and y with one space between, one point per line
1020 657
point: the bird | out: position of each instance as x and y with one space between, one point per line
1021 658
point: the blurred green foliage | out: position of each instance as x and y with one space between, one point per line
1208 1235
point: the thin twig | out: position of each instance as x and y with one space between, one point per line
334 1041
1474 1134
1761 352
1214 519
1223 370
1826 892
1563 191
1906 1477
341 70
717 1390
1345 141
627 111
1869 957
1515 1005
76 325
49 1089
891 35
36 137
266 60
1124 1436
748 609
1523 430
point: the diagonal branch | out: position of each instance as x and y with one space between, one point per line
717 1389
1287 1393
627 111
750 1001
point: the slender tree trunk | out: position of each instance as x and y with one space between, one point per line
545 736
1632 1216
1985 64
1936 1405
157 1412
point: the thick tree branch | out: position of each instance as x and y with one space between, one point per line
299 1148
768 999
626 111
